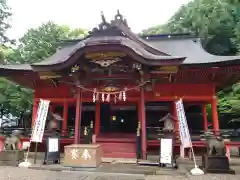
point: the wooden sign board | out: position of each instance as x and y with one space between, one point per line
52 152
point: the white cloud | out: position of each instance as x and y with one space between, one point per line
86 14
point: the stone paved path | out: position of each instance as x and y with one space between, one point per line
189 177
13 173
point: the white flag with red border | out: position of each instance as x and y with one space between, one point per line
183 126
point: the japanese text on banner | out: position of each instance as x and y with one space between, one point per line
39 127
183 126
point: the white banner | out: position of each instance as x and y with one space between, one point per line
166 151
183 126
40 121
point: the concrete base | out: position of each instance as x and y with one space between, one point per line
11 157
216 164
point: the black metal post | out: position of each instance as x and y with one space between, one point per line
85 136
90 132
139 145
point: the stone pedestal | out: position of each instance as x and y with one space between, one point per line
82 155
11 157
216 164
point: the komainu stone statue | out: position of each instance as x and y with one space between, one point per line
12 155
11 142
216 146
168 123
215 161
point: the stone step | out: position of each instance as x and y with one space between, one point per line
119 155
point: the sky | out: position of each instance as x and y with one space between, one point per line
86 13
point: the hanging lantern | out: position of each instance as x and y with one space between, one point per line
103 98
124 96
108 98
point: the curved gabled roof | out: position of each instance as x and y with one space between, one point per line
25 67
192 49
64 54
152 49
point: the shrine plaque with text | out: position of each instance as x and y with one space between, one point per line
82 155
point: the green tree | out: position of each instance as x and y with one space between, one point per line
4 21
35 45
39 43
218 23
4 26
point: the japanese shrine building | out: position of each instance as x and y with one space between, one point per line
114 67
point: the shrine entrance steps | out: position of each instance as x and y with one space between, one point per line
118 145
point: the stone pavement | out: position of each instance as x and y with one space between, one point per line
14 173
112 170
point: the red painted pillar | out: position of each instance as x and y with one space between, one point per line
205 120
97 118
143 123
215 115
174 114
78 117
34 112
65 118
51 108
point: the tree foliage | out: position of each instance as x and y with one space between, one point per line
42 42
4 21
35 45
218 23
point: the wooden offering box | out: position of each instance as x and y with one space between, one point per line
82 155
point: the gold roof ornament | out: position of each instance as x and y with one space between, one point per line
75 68
48 75
110 89
104 55
165 69
105 59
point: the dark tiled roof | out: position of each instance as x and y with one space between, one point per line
189 48
66 52
25 67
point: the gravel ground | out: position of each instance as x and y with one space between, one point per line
13 173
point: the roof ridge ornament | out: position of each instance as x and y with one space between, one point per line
103 17
104 25
118 19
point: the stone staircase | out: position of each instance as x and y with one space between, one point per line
119 149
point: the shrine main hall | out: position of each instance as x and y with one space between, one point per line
118 81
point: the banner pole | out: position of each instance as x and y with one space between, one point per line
185 135
38 130
194 158
35 154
